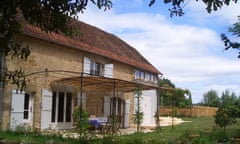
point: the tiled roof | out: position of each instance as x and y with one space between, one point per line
96 41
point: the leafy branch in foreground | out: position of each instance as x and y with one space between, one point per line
177 5
49 15
235 30
211 5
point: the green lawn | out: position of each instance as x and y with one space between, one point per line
204 127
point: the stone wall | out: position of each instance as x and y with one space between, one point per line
47 57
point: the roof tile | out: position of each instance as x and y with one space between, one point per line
96 41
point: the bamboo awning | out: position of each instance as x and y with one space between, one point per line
100 83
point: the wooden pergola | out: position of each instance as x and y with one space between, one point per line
88 82
100 83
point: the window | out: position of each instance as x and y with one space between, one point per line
153 78
61 107
26 107
137 74
68 107
95 68
91 67
147 76
53 106
142 75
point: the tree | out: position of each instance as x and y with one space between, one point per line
165 95
49 15
234 30
230 101
39 13
211 99
224 117
80 117
228 98
228 109
183 98
180 97
138 116
211 5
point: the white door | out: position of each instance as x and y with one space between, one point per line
46 109
17 109
126 114
146 105
149 106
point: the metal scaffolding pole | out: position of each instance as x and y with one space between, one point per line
114 101
2 58
158 108
81 102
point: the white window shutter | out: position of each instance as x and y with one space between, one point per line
108 70
17 109
106 106
46 112
127 112
86 65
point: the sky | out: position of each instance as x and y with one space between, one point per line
188 50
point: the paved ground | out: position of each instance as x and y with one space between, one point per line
164 121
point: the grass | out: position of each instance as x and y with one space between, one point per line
202 126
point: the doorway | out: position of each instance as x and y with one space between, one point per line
21 109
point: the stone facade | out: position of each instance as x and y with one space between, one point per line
56 68
47 57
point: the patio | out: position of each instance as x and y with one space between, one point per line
164 121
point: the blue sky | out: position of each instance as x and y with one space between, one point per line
187 50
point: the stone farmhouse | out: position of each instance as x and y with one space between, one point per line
97 69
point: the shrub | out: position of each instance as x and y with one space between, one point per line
80 117
23 128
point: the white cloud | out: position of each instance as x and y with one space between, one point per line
183 53
227 15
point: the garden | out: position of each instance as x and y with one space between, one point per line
201 130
